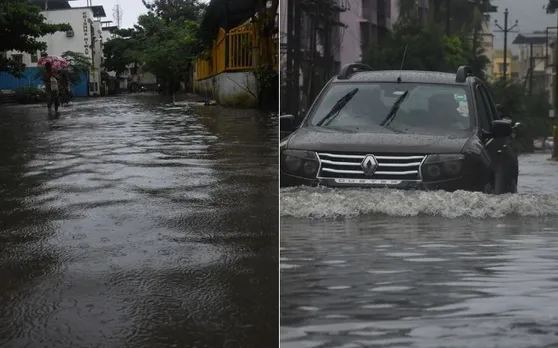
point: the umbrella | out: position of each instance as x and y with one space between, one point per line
55 61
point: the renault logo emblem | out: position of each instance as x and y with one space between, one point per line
369 165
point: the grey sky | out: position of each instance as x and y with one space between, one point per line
529 13
131 9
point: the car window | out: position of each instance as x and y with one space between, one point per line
482 111
487 116
490 101
427 108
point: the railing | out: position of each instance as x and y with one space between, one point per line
234 51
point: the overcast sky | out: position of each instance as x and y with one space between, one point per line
529 13
131 9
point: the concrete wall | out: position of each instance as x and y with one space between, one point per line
30 79
228 88
350 50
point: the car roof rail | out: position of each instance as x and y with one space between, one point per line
349 69
462 73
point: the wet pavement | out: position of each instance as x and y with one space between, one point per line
132 222
376 268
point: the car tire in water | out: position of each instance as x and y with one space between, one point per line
488 188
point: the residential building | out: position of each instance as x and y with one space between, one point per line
512 65
366 22
550 72
319 48
85 37
535 55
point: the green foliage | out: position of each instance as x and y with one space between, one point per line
22 24
428 48
551 6
171 10
165 41
30 95
530 110
168 48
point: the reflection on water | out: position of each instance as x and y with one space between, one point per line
424 280
130 222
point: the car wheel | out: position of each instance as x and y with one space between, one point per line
513 185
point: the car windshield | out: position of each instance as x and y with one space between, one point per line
428 109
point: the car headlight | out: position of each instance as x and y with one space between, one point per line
300 163
443 166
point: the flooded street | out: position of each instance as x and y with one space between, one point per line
132 222
380 268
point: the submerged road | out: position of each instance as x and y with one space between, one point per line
382 268
132 222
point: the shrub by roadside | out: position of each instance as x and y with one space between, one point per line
30 95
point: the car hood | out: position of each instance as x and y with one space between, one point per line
327 139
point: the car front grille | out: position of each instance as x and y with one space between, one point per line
390 166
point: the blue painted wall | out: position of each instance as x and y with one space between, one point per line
10 82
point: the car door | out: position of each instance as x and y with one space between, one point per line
510 157
492 145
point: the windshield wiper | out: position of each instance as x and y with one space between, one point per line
393 111
340 104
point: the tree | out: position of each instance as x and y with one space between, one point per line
117 54
551 6
171 10
22 24
168 49
428 48
530 110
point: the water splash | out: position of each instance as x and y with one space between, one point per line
321 202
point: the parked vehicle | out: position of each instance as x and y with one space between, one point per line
401 129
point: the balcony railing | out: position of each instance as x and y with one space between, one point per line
236 50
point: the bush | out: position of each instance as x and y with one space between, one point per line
530 110
30 95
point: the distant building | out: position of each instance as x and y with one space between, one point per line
512 65
535 57
366 21
320 50
85 37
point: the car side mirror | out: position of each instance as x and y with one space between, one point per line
501 128
501 111
287 124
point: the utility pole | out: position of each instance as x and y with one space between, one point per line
506 30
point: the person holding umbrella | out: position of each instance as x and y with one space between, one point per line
51 63
53 93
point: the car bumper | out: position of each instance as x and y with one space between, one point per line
455 184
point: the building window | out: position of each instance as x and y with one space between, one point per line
18 58
34 58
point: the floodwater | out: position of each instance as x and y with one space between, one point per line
381 268
132 222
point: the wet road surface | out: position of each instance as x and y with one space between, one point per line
132 222
389 269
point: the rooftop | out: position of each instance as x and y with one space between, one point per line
535 38
98 10
412 76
